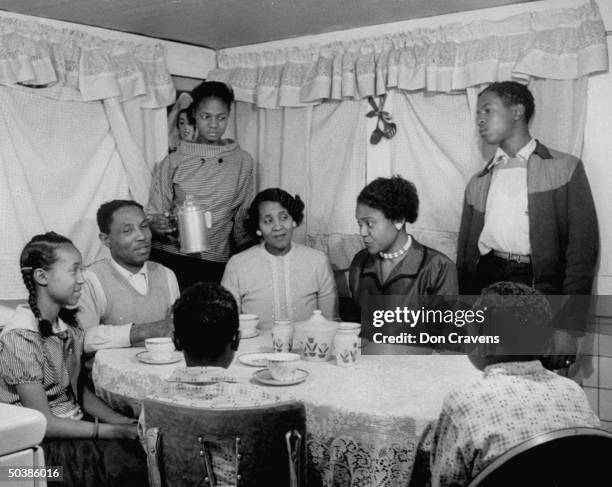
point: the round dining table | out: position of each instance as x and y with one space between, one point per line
363 422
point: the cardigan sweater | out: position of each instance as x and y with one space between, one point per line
287 287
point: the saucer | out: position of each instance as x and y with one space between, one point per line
146 358
250 335
256 359
264 377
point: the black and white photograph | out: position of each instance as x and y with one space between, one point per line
327 243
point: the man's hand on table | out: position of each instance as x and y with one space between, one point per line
141 331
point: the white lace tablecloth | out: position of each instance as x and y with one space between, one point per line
363 422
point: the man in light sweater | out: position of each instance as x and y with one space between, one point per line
126 298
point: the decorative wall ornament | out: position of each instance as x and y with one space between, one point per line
389 129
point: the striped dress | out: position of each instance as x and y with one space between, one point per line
220 178
26 357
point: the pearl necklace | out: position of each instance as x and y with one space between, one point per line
399 252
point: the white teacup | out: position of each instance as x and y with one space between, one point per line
160 348
283 365
248 324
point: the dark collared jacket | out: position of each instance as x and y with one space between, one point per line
563 230
424 278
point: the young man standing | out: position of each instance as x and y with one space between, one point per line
528 216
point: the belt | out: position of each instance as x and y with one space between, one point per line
518 258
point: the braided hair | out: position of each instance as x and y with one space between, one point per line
40 253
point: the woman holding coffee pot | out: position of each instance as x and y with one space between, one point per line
216 174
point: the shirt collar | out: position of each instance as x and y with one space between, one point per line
524 153
207 150
127 274
539 149
24 319
514 368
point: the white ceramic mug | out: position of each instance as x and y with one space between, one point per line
356 328
248 324
282 366
282 336
346 347
160 348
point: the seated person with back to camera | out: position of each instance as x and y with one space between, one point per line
516 399
206 329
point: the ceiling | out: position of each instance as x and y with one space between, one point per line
219 24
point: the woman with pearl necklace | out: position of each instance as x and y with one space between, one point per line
394 269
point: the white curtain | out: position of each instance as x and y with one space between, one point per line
336 175
434 148
83 122
59 163
566 43
560 113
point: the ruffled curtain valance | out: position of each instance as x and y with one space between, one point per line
556 44
72 65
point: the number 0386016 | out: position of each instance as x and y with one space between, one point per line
30 473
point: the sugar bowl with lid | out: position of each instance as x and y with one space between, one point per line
315 337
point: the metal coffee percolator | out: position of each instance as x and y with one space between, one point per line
193 224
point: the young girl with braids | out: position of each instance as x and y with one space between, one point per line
40 358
